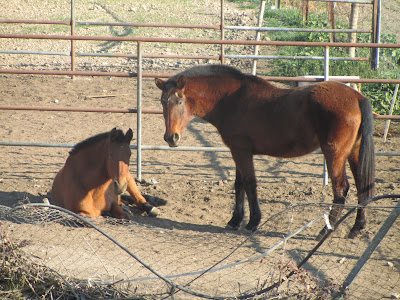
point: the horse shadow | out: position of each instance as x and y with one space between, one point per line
15 198
127 31
10 200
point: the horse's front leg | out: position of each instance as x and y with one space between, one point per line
255 212
248 184
238 212
138 199
117 212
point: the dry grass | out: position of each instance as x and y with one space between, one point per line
21 278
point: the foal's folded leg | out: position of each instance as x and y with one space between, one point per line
139 200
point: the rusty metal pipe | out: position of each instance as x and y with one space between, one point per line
79 109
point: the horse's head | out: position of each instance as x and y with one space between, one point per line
175 110
118 160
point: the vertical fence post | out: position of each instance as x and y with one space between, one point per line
139 110
222 58
305 11
326 78
396 89
72 53
353 25
260 20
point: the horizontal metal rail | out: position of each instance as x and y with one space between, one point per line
255 28
167 75
119 110
211 57
150 147
188 26
194 41
123 24
83 54
79 109
298 57
347 1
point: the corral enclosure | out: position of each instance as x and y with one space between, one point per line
194 191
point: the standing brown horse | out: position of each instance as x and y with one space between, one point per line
94 176
255 117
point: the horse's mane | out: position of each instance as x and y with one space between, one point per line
207 70
95 139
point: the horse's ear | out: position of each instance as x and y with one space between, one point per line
181 82
160 83
113 132
129 135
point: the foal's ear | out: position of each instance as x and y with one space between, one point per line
129 135
181 82
160 83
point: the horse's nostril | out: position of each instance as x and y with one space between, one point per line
116 185
118 188
175 137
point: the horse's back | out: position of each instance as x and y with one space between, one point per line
333 95
65 186
292 122
57 192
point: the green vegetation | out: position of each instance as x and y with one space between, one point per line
389 59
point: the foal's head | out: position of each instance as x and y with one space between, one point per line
118 158
174 102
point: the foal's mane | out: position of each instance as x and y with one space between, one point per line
96 139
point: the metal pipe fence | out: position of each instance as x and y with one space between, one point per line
139 56
139 74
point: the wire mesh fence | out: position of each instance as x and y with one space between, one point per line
152 262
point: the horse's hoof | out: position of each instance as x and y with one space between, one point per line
354 233
251 228
150 209
230 227
321 234
154 212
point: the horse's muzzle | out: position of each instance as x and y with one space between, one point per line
172 140
118 188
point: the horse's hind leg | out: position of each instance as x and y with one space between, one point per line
336 166
361 220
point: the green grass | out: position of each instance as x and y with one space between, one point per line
380 94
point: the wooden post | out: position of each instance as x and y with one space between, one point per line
222 58
331 17
353 25
259 24
305 11
72 53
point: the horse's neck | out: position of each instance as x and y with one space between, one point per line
204 95
95 160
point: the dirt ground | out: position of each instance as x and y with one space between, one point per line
193 189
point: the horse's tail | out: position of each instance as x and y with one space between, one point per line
366 159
